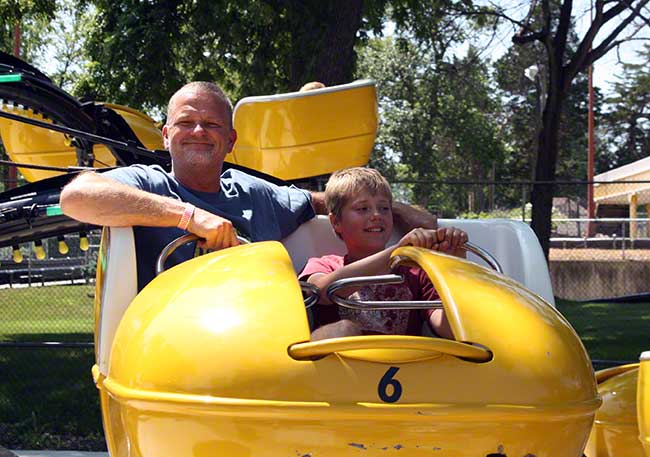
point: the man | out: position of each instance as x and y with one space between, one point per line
196 197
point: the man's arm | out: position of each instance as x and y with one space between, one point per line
406 217
318 202
100 200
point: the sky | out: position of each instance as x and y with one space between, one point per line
605 69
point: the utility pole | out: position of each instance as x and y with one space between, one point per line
12 174
591 210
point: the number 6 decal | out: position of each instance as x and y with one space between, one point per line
387 380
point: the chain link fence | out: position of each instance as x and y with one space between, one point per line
47 398
602 257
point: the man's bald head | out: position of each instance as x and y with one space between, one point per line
205 87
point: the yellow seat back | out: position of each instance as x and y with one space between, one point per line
305 134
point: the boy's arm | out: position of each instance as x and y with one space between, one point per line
445 239
376 264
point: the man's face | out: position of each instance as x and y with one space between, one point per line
199 131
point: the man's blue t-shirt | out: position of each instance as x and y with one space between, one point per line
259 210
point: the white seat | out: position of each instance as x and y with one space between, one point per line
118 282
512 243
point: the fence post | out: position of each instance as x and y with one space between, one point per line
523 202
623 243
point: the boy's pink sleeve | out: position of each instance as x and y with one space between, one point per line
427 290
325 265
422 288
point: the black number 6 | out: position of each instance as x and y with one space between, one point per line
387 380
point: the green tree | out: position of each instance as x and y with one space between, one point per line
524 100
31 17
438 121
550 25
64 58
140 52
628 120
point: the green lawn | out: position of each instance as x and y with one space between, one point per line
47 397
610 331
46 310
48 400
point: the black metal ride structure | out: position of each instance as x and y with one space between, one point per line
24 214
23 211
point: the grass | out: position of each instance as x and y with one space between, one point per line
54 309
610 331
47 397
48 400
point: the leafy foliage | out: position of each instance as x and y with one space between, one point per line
548 24
523 106
141 52
628 121
438 120
33 17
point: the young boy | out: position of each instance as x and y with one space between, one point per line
359 202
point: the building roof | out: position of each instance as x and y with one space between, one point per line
620 192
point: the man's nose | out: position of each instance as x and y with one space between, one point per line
198 128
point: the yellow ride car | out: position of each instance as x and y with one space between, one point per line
622 424
213 357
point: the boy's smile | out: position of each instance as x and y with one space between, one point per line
365 224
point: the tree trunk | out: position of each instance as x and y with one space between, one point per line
335 60
547 152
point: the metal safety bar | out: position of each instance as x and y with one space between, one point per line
361 281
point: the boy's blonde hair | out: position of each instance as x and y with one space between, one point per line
344 184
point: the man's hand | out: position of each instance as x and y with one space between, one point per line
448 239
215 231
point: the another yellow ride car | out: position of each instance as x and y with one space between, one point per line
622 424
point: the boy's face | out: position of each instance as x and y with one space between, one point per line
365 223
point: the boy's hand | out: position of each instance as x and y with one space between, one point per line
450 239
447 239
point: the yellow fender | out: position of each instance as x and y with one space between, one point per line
643 402
615 431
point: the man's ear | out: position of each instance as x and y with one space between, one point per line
232 139
165 131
